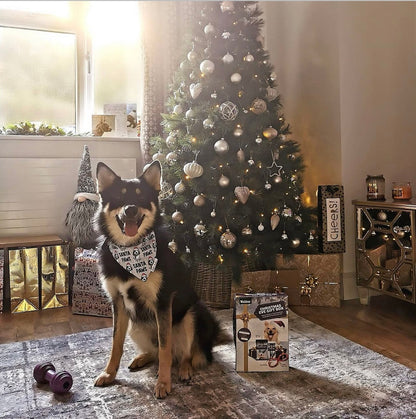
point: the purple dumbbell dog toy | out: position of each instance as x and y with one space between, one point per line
59 382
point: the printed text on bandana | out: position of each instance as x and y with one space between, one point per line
140 260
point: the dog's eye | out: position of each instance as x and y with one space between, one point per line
137 191
123 190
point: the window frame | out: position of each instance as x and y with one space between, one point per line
74 24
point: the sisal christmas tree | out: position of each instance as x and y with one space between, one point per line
232 189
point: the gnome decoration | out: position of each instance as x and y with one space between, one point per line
79 219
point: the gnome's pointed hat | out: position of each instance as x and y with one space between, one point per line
86 185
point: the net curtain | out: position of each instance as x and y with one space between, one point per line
165 26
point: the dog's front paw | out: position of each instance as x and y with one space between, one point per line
162 389
104 379
185 371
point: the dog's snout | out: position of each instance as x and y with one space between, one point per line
130 210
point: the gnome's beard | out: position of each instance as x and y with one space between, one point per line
79 220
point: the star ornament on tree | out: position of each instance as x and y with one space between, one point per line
275 169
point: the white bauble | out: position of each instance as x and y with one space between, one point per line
221 147
235 78
228 58
209 29
207 67
193 169
192 55
223 181
179 187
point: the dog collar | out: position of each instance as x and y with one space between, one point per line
140 259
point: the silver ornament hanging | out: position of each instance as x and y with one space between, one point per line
171 141
235 78
208 123
213 213
192 55
242 193
240 155
228 58
195 89
382 216
173 246
247 231
221 147
248 58
260 227
171 157
179 187
267 186
298 218
273 76
207 67
295 243
223 181
193 169
238 131
258 106
227 6
200 229
277 179
209 29
274 221
270 133
228 239
284 235
199 200
228 111
287 212
258 140
225 35
214 95
177 217
177 109
189 114
271 93
251 162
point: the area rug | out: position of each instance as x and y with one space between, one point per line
329 377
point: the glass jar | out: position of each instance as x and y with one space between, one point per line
401 191
376 188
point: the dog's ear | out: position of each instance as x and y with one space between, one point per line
152 174
105 176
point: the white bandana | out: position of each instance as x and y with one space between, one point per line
140 260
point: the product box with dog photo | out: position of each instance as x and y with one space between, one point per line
261 332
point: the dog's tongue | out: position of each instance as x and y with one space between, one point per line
130 228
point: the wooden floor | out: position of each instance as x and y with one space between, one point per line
386 325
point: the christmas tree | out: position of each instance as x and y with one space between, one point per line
232 174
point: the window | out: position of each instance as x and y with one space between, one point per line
62 61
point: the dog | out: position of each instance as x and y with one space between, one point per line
151 295
270 332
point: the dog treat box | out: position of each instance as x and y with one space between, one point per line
261 332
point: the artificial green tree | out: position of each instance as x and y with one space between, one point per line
232 174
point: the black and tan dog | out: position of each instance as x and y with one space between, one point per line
147 283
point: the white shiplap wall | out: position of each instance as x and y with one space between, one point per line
39 175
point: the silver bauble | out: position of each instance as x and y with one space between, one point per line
171 157
213 213
271 93
193 169
207 67
249 58
241 156
235 78
209 29
200 229
227 6
273 76
277 179
287 212
189 114
208 123
171 141
270 133
173 246
238 131
382 216
295 243
177 217
221 147
228 58
228 111
177 109
258 140
247 231
284 235
223 181
260 227
179 187
199 200
195 89
267 186
192 55
228 239
258 106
